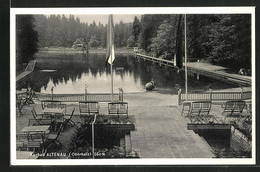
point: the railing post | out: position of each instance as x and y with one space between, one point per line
210 94
121 95
179 96
52 93
86 94
242 93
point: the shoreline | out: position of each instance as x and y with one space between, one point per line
62 50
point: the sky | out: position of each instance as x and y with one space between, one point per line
103 19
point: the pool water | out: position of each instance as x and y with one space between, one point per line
72 73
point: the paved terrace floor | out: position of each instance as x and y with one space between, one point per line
161 132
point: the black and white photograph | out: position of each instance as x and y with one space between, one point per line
131 86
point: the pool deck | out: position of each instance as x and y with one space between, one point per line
161 131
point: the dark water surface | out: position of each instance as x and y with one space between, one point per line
69 73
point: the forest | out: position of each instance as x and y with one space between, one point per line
59 30
223 39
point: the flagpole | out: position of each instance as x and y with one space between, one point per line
186 72
111 53
111 68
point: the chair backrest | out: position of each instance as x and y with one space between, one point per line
118 107
205 105
63 106
240 105
229 105
34 122
112 108
196 105
35 135
46 121
59 117
88 107
122 107
22 136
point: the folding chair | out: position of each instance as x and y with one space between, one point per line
186 107
53 139
21 141
67 119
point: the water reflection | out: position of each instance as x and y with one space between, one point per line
71 72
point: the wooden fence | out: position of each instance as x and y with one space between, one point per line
214 96
100 97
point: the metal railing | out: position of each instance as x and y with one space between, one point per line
100 97
214 96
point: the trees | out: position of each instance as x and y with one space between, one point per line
26 40
222 39
136 29
56 30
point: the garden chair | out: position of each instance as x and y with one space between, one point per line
248 118
21 140
58 120
67 119
35 115
118 108
52 139
63 106
88 108
194 112
36 141
233 108
186 107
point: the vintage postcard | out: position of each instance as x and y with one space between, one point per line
133 86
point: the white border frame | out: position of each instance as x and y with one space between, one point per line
119 10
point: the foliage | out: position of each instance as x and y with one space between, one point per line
218 38
136 29
57 30
110 119
26 40
81 147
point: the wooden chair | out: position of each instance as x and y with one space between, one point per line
58 120
35 115
52 139
67 119
194 112
21 141
36 140
63 106
118 108
88 108
248 118
233 108
186 107
199 112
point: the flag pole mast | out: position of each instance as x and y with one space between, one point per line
111 69
111 51
186 72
